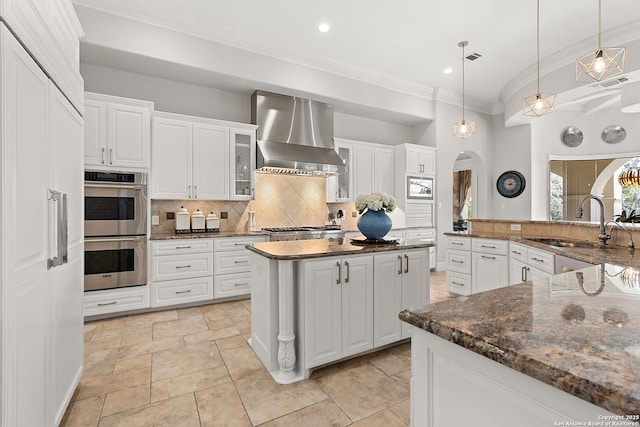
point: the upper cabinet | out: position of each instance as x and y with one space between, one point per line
198 158
417 159
415 169
340 187
117 132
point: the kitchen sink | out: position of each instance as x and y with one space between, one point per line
566 243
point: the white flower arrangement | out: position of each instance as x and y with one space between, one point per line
375 202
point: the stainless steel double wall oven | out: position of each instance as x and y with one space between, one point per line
115 230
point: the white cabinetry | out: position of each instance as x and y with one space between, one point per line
420 161
198 158
232 265
529 264
181 271
108 301
459 265
489 264
41 305
338 307
400 283
421 235
117 132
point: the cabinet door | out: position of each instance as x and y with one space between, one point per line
518 271
210 162
242 164
489 271
413 160
340 187
363 181
537 276
383 170
128 136
323 312
95 133
415 283
171 159
387 327
357 305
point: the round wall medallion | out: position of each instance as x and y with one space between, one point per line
571 136
510 184
613 134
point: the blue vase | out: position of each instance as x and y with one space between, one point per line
374 225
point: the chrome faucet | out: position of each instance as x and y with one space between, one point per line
602 235
630 246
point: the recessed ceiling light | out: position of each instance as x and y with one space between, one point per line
324 27
448 70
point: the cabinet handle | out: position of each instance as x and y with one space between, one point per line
516 252
339 273
102 304
183 292
183 266
488 257
189 191
487 246
457 243
459 262
239 244
183 247
110 156
400 268
537 259
456 283
195 191
523 273
102 157
241 284
346 280
406 268
241 262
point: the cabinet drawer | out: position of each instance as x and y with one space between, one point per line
459 261
541 260
172 267
181 291
181 246
422 234
232 262
113 301
458 283
231 285
459 243
519 252
235 243
490 246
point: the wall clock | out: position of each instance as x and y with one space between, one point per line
510 184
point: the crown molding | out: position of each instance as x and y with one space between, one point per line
454 98
194 26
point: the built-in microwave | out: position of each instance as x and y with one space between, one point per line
115 204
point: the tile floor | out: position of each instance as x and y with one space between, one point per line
193 367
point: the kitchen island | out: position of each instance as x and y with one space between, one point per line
566 352
315 302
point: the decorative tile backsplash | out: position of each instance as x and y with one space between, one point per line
281 201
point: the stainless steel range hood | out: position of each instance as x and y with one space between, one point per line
295 135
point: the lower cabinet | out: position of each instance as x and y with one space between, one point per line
115 300
232 265
338 307
528 264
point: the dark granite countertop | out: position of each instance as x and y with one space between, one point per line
317 248
582 339
205 235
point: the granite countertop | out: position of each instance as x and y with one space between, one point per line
611 254
302 249
582 339
205 235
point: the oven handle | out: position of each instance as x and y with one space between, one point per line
115 186
114 239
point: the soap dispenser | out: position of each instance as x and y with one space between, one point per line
197 222
213 223
183 221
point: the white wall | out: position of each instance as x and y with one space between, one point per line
365 129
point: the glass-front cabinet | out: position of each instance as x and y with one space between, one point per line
340 187
243 159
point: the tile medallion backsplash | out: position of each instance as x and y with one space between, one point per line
281 201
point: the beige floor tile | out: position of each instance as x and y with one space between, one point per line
176 386
231 342
179 327
219 323
220 406
99 363
185 360
403 410
189 312
265 400
115 322
137 338
242 323
146 319
362 390
211 335
128 351
384 418
390 363
102 345
124 400
178 412
102 334
403 378
321 414
403 350
242 362
96 386
83 413
136 362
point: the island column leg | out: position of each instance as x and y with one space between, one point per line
286 337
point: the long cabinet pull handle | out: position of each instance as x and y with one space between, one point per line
488 246
189 191
183 247
57 197
516 252
400 267
339 273
523 273
110 156
346 280
102 156
241 284
64 230
241 262
456 283
488 257
239 244
195 191
537 259
183 266
457 243
459 262
102 304
406 267
183 292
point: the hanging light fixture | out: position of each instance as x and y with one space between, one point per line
630 178
603 63
541 103
463 128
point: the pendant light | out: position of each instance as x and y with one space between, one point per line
463 128
603 63
541 103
